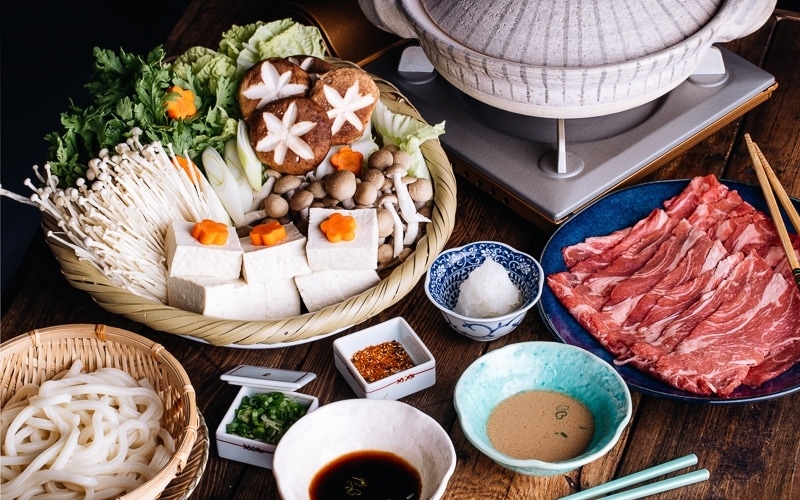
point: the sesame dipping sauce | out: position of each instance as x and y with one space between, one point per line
543 425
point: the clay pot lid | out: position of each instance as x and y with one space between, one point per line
567 34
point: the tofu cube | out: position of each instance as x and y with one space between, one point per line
323 288
283 299
188 257
360 253
234 299
265 264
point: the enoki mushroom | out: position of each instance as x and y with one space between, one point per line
116 218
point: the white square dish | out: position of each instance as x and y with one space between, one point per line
420 376
257 380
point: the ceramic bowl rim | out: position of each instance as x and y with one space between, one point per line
564 465
524 309
359 404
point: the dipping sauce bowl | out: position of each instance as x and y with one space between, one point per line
544 366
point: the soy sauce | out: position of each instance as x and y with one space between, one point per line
367 475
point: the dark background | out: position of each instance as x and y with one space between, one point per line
46 59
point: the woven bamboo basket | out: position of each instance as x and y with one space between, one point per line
38 356
296 329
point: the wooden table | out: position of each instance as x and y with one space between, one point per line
751 450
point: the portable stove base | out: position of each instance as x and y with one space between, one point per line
518 171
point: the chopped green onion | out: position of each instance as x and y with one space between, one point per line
265 417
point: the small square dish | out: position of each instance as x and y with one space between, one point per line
259 380
393 358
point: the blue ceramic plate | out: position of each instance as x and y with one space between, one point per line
615 211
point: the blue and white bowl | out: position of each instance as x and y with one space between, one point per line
453 266
544 366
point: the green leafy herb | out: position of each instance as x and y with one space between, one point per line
265 417
127 91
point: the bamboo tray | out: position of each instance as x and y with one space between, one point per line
38 356
297 329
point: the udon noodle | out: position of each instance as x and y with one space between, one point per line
82 435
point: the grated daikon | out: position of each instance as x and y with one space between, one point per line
475 302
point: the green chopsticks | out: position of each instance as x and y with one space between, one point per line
648 489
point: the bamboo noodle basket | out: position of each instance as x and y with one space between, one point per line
305 327
40 355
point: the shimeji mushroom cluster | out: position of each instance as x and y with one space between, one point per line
116 216
402 202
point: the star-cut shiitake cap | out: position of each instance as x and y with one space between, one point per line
269 80
291 135
348 96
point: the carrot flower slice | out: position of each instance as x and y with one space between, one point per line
347 159
268 234
339 227
209 232
183 106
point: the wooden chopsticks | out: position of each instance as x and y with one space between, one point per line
772 187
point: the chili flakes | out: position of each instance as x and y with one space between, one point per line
382 360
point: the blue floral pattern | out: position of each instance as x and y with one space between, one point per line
453 266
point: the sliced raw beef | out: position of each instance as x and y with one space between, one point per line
714 217
701 258
669 254
783 355
734 222
719 351
684 305
588 293
706 189
774 364
631 262
627 294
782 336
592 246
584 307
776 257
642 234
691 305
698 294
754 233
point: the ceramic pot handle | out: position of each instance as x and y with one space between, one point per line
388 15
742 17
